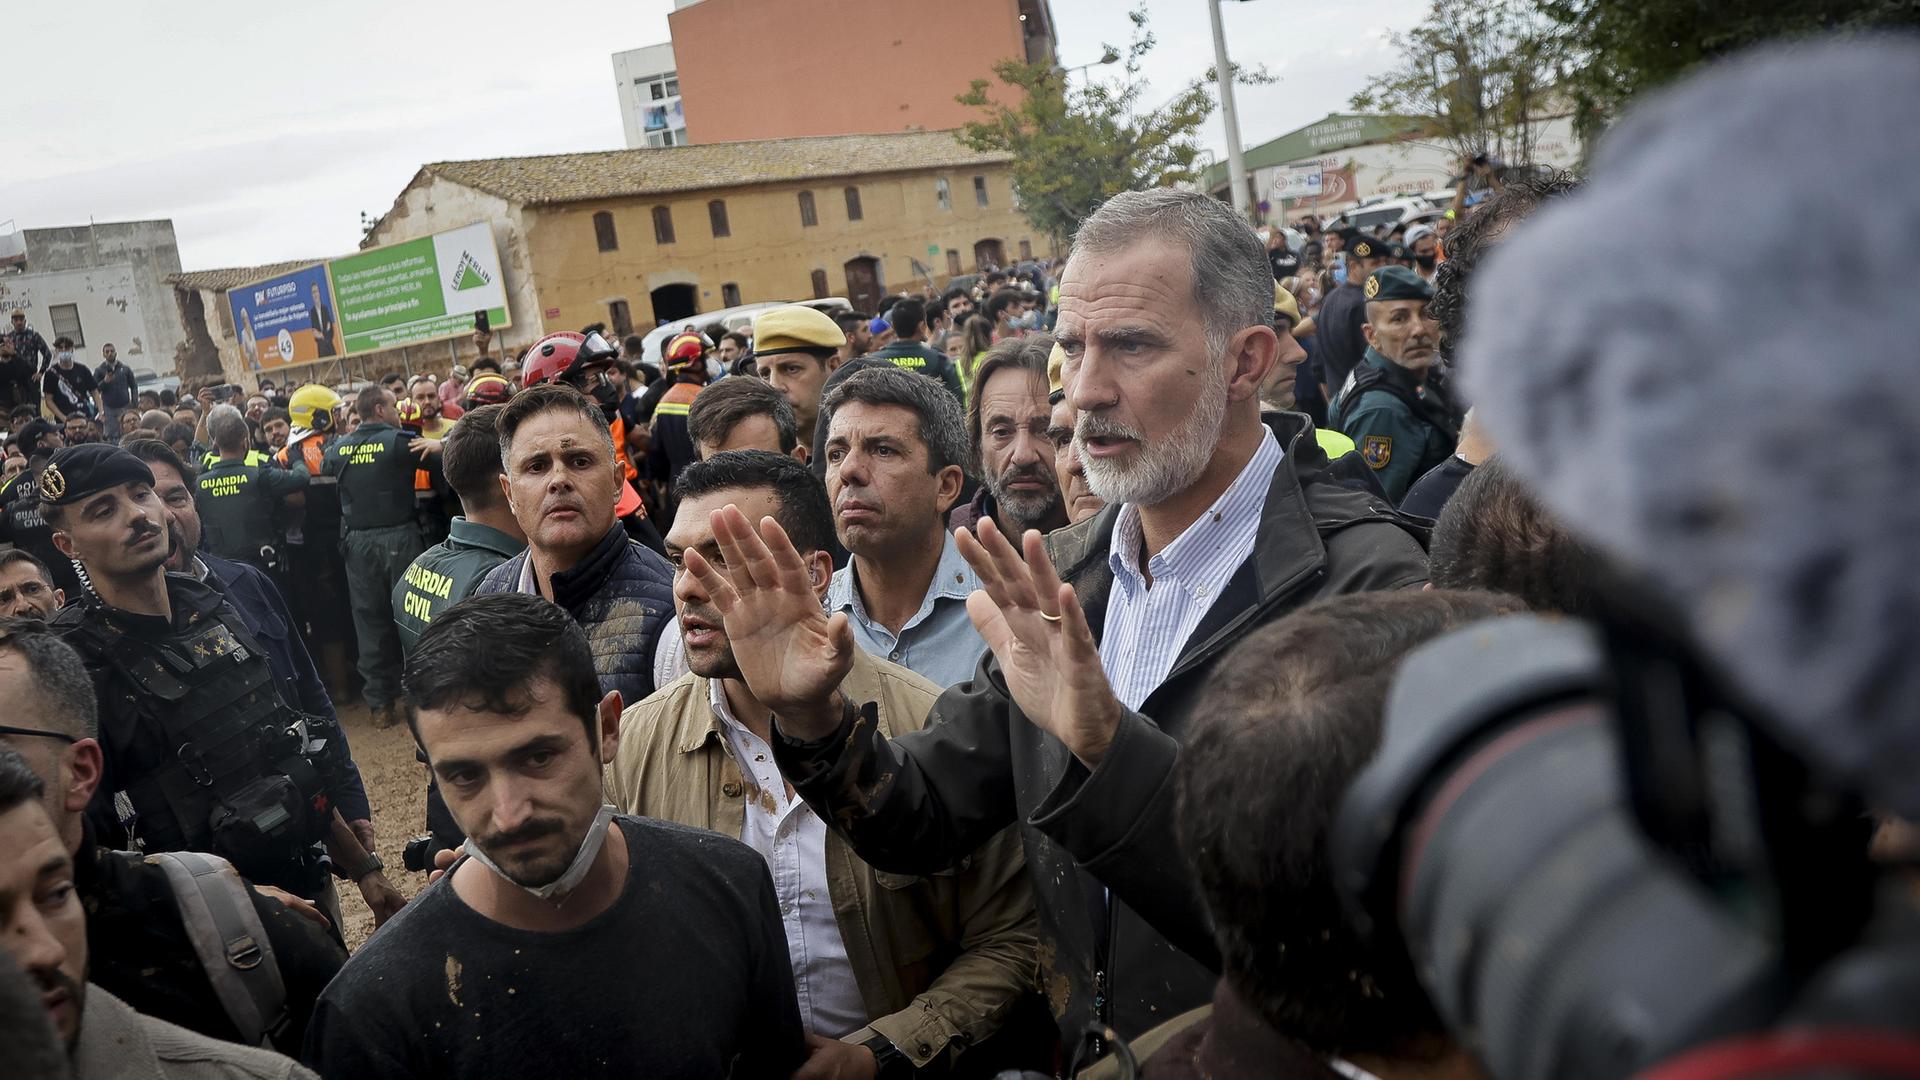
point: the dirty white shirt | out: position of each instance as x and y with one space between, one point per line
792 838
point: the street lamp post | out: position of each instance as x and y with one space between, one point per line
1223 71
1108 57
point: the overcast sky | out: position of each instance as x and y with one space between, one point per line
264 131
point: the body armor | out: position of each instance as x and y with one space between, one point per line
201 746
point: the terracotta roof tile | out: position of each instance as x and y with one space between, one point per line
561 178
235 276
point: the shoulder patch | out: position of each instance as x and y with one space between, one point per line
1376 450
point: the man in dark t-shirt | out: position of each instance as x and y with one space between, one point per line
568 941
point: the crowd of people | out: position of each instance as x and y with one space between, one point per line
965 689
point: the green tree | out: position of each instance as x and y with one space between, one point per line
1074 149
1635 45
1479 76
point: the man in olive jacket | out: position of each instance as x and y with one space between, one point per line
1215 526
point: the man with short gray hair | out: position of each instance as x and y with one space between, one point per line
238 500
896 448
1215 526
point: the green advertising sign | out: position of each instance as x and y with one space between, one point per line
419 290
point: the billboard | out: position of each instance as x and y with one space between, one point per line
419 290
285 320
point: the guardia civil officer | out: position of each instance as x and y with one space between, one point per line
237 499
485 535
1400 428
201 752
375 468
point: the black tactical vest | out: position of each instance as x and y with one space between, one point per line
1426 407
234 777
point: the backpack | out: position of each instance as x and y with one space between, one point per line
220 920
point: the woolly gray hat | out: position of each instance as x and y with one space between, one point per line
1747 439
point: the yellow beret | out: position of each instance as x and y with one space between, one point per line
795 328
1284 305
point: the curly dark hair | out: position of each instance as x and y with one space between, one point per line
1472 238
1493 534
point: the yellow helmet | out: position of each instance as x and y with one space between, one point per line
311 408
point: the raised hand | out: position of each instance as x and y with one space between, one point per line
791 654
1039 634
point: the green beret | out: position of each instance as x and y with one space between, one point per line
88 469
1396 283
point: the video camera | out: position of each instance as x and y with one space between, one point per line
1604 867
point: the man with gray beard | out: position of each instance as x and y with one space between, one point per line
1101 635
1007 431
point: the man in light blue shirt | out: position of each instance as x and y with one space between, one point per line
895 444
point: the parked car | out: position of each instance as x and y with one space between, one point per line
733 318
1387 210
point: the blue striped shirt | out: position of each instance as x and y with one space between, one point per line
1147 627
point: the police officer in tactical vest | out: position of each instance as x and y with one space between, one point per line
1400 429
237 500
375 468
200 751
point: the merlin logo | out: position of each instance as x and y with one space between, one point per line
469 274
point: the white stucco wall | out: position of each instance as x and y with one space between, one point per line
109 307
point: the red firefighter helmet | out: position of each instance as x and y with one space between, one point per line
550 357
410 417
684 349
487 388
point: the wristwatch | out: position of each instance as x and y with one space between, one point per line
370 864
892 1063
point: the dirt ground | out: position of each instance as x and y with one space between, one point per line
397 788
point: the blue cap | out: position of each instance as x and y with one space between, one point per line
878 326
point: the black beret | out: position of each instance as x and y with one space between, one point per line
1396 283
87 469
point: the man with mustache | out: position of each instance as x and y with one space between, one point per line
952 952
895 454
570 941
562 483
1007 430
264 609
43 928
202 750
1400 429
1216 525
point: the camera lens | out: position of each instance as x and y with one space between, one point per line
1545 923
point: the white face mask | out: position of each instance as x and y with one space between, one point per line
576 871
65 357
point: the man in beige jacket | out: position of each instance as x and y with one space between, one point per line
894 973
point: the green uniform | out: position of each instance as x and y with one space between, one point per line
1400 431
375 467
237 501
254 457
914 356
446 574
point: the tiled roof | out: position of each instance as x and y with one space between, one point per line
561 178
235 276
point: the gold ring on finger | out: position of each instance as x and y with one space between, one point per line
1050 618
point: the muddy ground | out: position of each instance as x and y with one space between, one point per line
397 788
